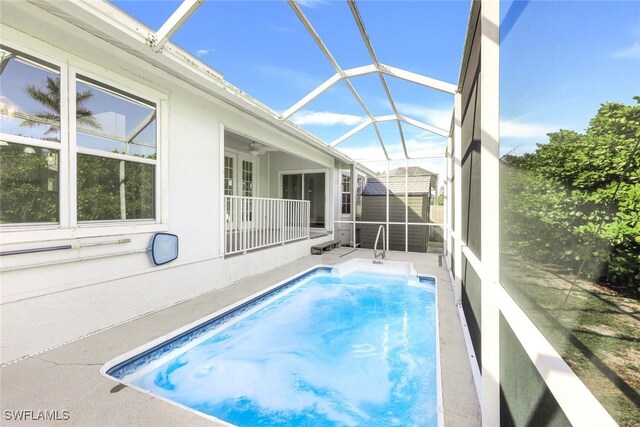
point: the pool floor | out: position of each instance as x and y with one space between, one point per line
357 350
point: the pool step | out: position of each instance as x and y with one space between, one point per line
326 246
376 266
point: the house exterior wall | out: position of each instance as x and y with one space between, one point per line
49 298
280 162
264 168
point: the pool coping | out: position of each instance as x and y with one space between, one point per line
249 302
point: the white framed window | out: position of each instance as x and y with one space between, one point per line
76 149
240 174
346 193
228 174
32 139
116 153
247 178
361 182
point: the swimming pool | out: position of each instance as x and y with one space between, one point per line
332 346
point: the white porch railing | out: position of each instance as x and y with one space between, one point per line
255 222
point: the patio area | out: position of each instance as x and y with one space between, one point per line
484 141
67 378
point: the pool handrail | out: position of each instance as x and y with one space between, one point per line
383 254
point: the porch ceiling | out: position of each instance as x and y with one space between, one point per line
340 90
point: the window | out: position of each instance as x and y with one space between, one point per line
228 176
29 140
28 184
247 178
111 189
346 194
116 138
115 147
361 182
247 187
292 186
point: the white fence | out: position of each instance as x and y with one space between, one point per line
255 222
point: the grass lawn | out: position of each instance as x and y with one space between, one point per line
597 331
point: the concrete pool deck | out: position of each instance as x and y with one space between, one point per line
67 379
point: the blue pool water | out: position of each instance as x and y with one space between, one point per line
351 351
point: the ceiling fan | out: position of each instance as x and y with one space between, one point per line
257 149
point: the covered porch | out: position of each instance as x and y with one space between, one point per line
271 196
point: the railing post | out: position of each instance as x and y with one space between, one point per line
236 224
282 207
243 223
308 219
270 222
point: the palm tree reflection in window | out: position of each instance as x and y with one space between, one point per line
49 97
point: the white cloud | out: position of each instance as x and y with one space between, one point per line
371 152
202 52
325 118
438 117
426 147
632 51
420 146
520 129
311 3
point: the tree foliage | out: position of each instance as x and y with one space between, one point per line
28 184
107 189
100 182
576 200
440 199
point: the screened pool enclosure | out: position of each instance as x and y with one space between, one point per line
499 137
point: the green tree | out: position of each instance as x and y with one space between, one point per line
99 185
107 189
28 184
576 199
29 175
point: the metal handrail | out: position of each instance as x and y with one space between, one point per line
383 255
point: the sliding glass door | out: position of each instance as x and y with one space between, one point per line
307 186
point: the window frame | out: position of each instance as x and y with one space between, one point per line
60 67
238 157
110 86
226 189
71 69
344 204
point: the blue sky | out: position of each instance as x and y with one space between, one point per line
559 61
262 48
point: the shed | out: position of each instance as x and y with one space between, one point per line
421 186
